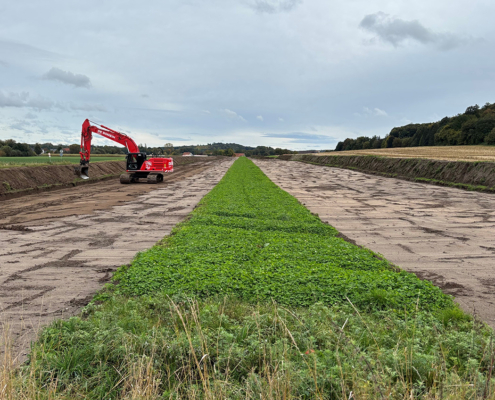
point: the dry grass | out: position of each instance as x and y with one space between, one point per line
198 377
449 153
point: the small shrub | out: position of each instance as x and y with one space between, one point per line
453 315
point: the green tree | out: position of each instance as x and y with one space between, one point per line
484 126
490 138
74 148
389 142
229 152
37 149
473 110
7 150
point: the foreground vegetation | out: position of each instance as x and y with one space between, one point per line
475 126
254 297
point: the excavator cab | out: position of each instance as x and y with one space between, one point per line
135 161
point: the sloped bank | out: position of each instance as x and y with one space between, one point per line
463 174
19 181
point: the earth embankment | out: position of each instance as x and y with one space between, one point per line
18 181
469 175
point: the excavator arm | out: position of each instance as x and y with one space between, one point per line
88 128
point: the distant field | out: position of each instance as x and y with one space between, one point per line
453 153
9 162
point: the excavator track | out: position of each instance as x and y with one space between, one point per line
126 178
153 179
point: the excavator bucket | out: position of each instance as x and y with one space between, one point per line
82 171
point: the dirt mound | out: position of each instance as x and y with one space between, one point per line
25 178
458 173
18 181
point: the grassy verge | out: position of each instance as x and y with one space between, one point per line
479 188
254 297
36 161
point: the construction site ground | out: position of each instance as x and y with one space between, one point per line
59 248
445 235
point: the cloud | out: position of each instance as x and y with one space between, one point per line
273 6
67 77
178 139
13 99
233 115
395 31
379 112
259 117
25 50
300 137
20 100
281 119
21 126
373 112
87 107
31 116
40 103
145 96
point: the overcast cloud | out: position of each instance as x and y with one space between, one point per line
395 31
273 6
285 73
67 77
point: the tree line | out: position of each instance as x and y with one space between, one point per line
475 126
11 148
226 149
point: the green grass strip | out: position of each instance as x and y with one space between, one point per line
251 239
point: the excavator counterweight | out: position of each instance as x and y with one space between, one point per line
137 164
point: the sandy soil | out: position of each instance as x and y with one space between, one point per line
442 234
59 248
449 153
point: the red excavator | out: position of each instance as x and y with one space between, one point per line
138 166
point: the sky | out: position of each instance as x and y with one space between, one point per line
297 74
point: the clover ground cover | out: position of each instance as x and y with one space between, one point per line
251 239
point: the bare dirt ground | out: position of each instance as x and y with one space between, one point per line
448 153
442 234
59 248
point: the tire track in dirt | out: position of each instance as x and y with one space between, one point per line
62 253
445 235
